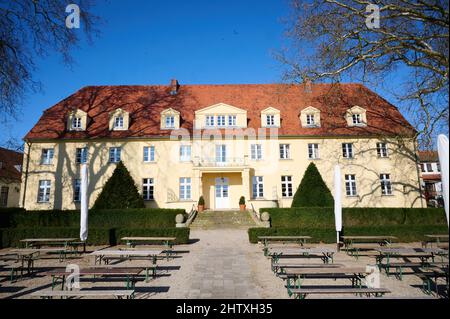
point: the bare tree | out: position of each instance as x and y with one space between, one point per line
30 29
332 42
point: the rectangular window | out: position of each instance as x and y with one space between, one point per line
286 186
270 120
81 155
429 167
114 154
221 153
185 188
170 121
310 119
209 120
231 120
118 122
148 188
76 123
47 156
258 187
382 150
256 152
4 196
185 153
77 190
438 167
347 150
356 118
221 120
284 151
149 154
386 186
350 185
313 151
44 191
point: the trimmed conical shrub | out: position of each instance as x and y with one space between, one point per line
120 191
312 192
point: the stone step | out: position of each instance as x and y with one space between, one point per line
223 219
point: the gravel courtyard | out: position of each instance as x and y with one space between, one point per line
218 263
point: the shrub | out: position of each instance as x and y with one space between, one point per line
242 200
201 201
120 191
312 192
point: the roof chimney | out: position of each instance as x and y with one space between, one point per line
174 86
308 85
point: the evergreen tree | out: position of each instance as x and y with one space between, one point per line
120 191
312 192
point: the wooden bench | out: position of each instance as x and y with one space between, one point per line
400 266
281 266
301 293
428 276
49 294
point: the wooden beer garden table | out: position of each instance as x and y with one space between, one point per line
291 239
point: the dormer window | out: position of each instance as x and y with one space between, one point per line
356 118
210 120
231 120
270 120
118 122
310 117
76 123
170 121
221 120
310 120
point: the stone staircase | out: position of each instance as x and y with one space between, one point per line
223 219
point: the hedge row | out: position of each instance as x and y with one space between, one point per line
404 233
311 217
10 237
110 218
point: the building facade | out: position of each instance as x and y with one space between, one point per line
431 178
222 142
10 177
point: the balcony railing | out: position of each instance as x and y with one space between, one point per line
213 162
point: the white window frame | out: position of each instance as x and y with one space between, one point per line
148 189
44 191
185 153
77 190
357 119
149 154
47 156
81 155
115 154
386 184
209 120
258 186
256 152
310 120
270 119
285 151
350 185
232 120
382 150
286 186
185 188
221 120
313 151
118 122
170 121
347 150
221 153
76 123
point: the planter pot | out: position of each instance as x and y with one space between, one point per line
242 207
201 208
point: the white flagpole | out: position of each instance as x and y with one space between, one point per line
84 203
443 160
337 202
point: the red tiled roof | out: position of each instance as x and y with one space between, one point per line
8 160
428 156
144 103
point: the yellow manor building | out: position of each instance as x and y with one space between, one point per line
223 142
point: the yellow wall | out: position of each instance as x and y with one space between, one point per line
13 193
168 169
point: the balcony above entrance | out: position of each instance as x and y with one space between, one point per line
220 163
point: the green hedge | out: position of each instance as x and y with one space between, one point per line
311 217
404 233
10 237
110 218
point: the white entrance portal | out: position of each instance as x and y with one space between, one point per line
222 194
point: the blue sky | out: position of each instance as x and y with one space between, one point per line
150 42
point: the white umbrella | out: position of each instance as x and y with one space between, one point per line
84 203
337 201
443 160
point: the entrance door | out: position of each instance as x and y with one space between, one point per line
222 196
